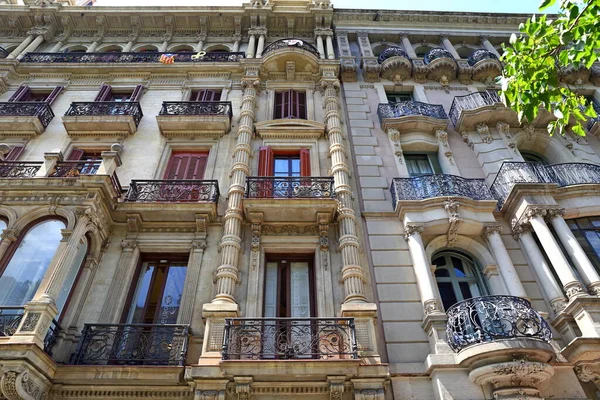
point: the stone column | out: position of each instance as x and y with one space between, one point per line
571 244
352 273
408 46
200 44
261 46
488 46
117 292
8 236
128 47
251 44
236 45
569 281
32 46
56 47
330 52
192 280
20 47
554 294
163 47
320 46
93 46
427 286
505 265
448 46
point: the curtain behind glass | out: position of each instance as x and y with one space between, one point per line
25 271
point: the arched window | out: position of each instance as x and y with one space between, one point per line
457 278
22 276
532 157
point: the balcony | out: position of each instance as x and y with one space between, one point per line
132 344
486 66
19 169
493 318
124 58
102 118
476 108
441 65
396 65
289 339
195 119
10 319
289 44
438 185
178 191
411 116
73 169
24 118
562 175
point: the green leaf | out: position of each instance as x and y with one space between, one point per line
578 130
545 4
557 113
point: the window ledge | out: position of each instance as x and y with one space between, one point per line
290 129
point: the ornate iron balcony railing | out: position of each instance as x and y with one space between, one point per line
289 338
305 187
479 55
3 52
91 108
434 54
407 108
174 190
291 42
491 318
19 169
568 174
132 344
472 101
438 185
392 52
72 169
196 108
128 57
42 110
11 317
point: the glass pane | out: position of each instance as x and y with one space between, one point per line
442 273
300 290
295 167
82 249
459 269
465 291
594 241
171 298
439 261
584 223
27 267
2 226
447 293
595 222
271 290
136 314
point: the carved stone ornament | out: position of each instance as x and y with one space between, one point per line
411 229
10 234
30 322
128 244
348 69
433 306
290 230
336 390
589 372
208 395
574 289
558 305
484 132
520 228
21 386
491 229
369 394
594 289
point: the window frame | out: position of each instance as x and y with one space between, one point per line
290 104
468 262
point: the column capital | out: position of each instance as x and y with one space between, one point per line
411 229
490 229
10 235
588 373
128 244
433 306
444 35
483 38
555 213
521 228
326 83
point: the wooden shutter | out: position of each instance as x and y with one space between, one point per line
14 153
21 94
266 160
287 104
186 166
54 94
104 94
300 105
211 95
278 114
76 155
304 162
137 93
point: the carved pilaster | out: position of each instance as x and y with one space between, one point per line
394 135
451 206
242 388
442 137
484 133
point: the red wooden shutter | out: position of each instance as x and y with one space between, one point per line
21 94
176 166
76 155
196 166
278 114
304 162
186 166
14 153
54 94
137 93
104 94
266 159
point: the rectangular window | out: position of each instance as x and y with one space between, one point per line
283 163
205 95
290 104
289 287
398 97
14 153
186 166
107 93
25 93
422 164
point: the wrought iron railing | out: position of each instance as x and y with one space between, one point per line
289 338
72 169
472 101
392 52
438 185
568 174
291 42
11 317
434 54
42 110
129 57
91 108
173 190
305 187
407 108
132 344
19 169
196 108
479 55
3 52
491 318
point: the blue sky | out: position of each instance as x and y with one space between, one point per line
511 6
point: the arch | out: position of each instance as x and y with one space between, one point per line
218 48
379 47
9 214
532 156
464 244
422 49
181 48
94 241
43 212
146 48
113 48
75 49
549 147
465 50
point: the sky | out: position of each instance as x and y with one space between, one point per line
510 6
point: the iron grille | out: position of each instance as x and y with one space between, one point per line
19 169
479 55
91 108
291 42
472 101
129 57
176 190
306 187
196 108
42 110
407 108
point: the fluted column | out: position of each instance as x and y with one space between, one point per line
20 47
505 265
32 46
352 273
429 298
554 294
569 281
320 47
251 44
227 272
580 259
8 236
408 46
261 46
488 46
330 52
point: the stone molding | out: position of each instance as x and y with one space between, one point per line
16 385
